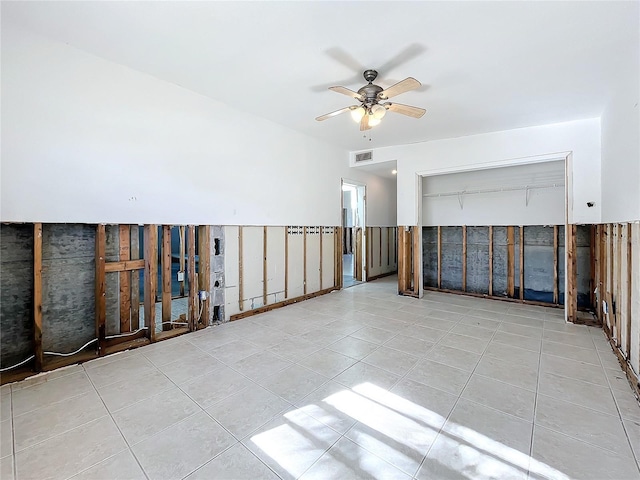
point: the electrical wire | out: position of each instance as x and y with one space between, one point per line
5 369
128 334
72 353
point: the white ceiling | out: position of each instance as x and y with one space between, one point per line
485 66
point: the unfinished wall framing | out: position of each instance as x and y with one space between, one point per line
617 278
521 263
72 292
270 267
382 254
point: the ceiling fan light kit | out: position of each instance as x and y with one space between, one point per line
372 109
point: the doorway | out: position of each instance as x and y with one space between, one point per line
354 231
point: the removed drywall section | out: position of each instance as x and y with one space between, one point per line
430 256
68 283
217 282
451 261
381 252
16 293
538 263
500 254
478 260
112 280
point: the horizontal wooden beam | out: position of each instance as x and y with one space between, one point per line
284 303
124 266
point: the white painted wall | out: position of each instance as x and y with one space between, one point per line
507 207
87 140
498 149
621 142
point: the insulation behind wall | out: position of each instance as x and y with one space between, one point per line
500 261
16 293
451 258
68 283
478 259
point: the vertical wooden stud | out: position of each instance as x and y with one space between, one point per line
304 244
592 264
571 293
555 264
264 265
464 258
320 272
490 260
240 271
402 283
125 279
134 236
439 256
339 248
521 262
389 246
204 271
618 298
150 278
629 291
193 282
183 257
357 255
37 296
286 262
101 294
380 247
510 262
417 260
166 276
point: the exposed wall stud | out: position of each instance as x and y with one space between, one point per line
204 271
510 262
240 269
320 269
125 279
135 277
183 257
150 278
264 265
490 260
464 258
555 264
101 295
304 261
571 298
193 282
521 263
37 296
439 256
286 262
166 276
417 260
629 283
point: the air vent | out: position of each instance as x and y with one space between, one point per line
364 156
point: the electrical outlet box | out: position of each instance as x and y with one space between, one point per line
203 295
181 276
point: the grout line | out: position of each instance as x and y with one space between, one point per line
119 430
624 428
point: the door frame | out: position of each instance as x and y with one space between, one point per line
361 191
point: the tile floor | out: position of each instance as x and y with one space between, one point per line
356 384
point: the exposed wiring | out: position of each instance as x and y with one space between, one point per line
174 323
72 353
17 364
128 334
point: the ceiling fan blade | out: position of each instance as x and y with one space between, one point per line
405 55
347 92
364 123
405 85
415 112
333 114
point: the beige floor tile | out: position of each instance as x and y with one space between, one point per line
454 357
586 355
412 346
247 410
6 438
318 404
362 373
583 424
347 459
519 375
293 383
57 418
182 448
291 443
577 370
71 452
464 342
5 404
234 351
214 386
439 375
373 335
6 468
391 360
353 347
327 362
129 367
56 390
144 419
193 365
260 365
575 391
236 463
122 466
122 394
550 459
501 396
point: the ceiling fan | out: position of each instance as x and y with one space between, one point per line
372 101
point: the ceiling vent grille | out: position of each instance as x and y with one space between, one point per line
364 156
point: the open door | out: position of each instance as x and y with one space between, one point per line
353 237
